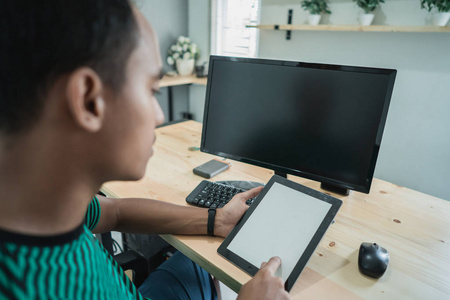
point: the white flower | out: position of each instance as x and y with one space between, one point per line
183 49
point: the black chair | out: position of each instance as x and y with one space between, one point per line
142 253
136 262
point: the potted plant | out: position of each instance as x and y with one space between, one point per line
368 7
440 18
315 8
183 54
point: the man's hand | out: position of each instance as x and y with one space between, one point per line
230 214
265 285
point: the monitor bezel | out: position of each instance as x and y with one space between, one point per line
278 169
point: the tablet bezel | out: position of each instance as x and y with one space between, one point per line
312 245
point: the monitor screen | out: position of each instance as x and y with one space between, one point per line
318 121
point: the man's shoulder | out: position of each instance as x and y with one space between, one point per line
77 269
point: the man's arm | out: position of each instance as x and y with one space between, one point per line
149 216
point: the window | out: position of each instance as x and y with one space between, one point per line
229 36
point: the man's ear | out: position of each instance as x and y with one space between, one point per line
85 99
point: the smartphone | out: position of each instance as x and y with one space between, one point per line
211 168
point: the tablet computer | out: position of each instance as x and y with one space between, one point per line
287 220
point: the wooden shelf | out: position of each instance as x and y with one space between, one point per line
372 28
180 80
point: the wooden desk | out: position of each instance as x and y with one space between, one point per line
413 227
170 81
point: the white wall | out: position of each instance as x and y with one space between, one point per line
199 28
415 151
393 12
169 19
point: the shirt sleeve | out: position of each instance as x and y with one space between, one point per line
92 214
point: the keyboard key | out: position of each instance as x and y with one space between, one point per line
208 203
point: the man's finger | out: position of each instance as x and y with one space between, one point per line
273 264
251 193
263 265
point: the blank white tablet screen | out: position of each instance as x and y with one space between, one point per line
282 225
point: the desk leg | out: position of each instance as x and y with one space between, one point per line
170 103
187 115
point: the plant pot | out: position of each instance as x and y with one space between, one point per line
185 67
440 19
366 19
314 19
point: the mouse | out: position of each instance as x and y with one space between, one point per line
372 260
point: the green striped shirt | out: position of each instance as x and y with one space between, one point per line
73 265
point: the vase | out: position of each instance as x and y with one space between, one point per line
440 19
366 19
185 67
314 19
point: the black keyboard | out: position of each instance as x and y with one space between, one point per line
213 194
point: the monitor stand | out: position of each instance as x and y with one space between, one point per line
334 189
280 173
324 186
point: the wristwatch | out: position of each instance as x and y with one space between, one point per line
211 218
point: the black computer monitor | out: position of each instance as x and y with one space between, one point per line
318 121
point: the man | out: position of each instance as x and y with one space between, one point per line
77 108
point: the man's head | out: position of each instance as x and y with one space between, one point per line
41 40
83 72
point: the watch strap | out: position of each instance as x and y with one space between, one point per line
211 219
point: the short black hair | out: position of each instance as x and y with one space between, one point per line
41 40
